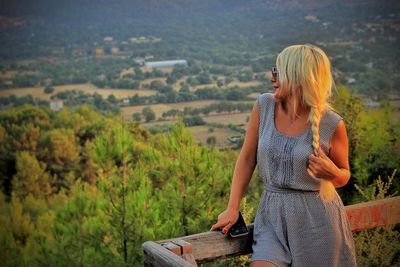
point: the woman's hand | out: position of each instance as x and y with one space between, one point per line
321 166
226 219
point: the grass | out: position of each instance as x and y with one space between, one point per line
160 108
201 133
37 92
226 119
379 246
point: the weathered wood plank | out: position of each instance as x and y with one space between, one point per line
156 255
209 246
374 213
185 250
172 247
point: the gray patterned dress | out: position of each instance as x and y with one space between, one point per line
293 226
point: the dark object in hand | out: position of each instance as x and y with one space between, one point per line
239 228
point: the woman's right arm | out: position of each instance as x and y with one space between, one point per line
242 174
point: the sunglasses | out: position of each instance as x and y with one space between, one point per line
274 72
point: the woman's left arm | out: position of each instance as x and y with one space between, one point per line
334 166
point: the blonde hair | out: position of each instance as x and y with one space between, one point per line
305 75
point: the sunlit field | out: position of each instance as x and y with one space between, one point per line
201 133
160 108
38 92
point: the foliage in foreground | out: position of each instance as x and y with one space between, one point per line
380 246
89 190
83 189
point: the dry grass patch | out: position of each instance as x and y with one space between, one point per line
164 70
159 109
37 92
395 103
4 75
9 74
126 71
226 119
244 84
201 133
125 93
253 95
157 123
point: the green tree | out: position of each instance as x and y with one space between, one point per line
374 140
137 116
112 99
21 129
190 184
351 108
79 231
211 140
128 192
156 85
31 177
171 80
48 89
59 150
148 114
15 234
204 78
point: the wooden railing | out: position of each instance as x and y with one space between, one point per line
188 251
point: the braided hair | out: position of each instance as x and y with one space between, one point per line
305 76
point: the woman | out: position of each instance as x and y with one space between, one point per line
300 146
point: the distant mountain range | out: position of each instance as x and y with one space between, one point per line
92 11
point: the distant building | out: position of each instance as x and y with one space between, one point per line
166 63
114 50
369 103
311 18
99 52
350 80
56 104
125 101
47 81
108 39
133 39
140 61
144 39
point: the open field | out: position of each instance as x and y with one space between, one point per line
160 108
148 81
176 86
201 133
395 103
226 119
254 95
164 70
222 119
244 84
230 85
37 92
8 74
